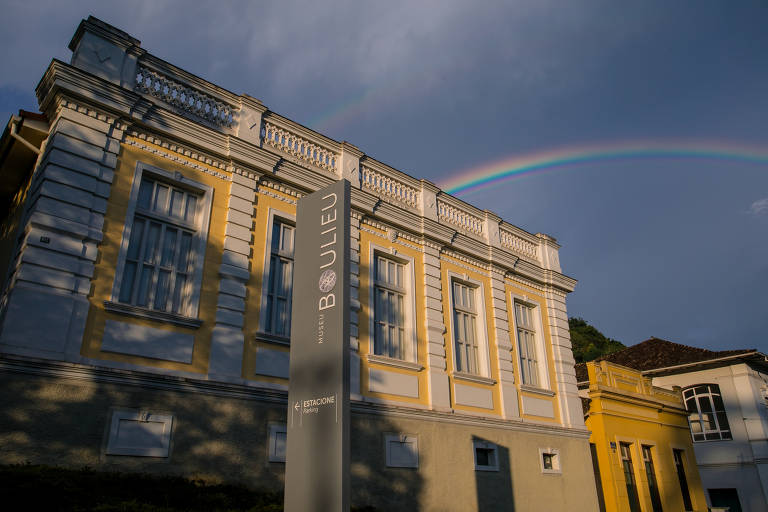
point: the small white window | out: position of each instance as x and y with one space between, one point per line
393 333
531 351
526 344
550 460
139 433
159 269
706 413
402 450
465 328
278 279
486 455
277 442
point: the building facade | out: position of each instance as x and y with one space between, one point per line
641 442
726 397
147 302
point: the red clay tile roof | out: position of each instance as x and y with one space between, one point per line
585 403
657 353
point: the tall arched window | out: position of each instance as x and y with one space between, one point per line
706 413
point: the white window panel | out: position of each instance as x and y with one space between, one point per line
161 258
402 450
279 279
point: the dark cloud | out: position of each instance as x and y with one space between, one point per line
661 247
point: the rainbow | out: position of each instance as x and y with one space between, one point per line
510 167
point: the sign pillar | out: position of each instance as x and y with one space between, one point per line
317 460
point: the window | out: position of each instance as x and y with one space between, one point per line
550 460
402 451
160 264
139 433
706 413
389 337
678 456
277 306
650 473
465 328
277 442
629 477
526 343
486 455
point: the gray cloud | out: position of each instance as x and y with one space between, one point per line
759 207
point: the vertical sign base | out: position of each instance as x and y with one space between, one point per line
317 461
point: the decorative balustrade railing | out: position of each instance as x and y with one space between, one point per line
184 98
389 187
293 144
518 244
459 218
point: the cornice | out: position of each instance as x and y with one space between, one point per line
175 156
83 87
250 155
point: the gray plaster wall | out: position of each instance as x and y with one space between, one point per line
62 419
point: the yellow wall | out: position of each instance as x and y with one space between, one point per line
104 272
626 408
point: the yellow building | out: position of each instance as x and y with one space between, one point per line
641 442
146 315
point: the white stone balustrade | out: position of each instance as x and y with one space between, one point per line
462 219
184 98
383 185
518 244
288 142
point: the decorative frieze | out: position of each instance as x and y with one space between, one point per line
183 98
462 219
389 188
177 153
518 244
293 144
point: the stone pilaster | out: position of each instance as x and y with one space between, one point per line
349 164
439 387
549 252
354 314
428 201
46 303
501 334
565 374
228 339
249 120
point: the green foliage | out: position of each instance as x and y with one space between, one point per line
27 487
589 343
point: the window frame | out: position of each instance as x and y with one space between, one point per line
485 445
113 446
630 478
542 360
481 323
554 453
290 219
410 338
652 481
690 393
276 428
198 245
402 439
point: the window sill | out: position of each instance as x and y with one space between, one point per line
538 391
272 338
477 379
159 316
397 363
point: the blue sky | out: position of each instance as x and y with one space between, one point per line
673 248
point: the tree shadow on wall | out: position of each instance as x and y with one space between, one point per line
494 483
